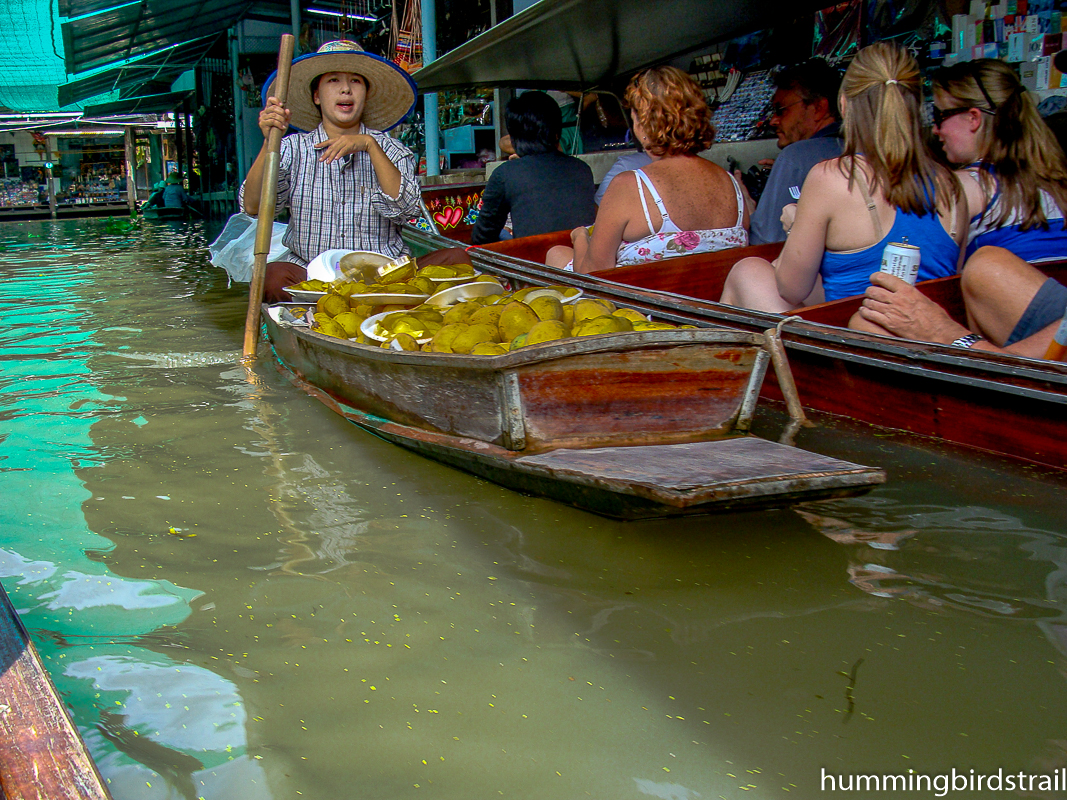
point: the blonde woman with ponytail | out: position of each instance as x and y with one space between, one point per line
886 187
988 123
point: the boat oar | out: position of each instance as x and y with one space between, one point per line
267 200
1057 348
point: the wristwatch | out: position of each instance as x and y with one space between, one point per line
967 341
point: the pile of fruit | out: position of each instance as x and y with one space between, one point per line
491 325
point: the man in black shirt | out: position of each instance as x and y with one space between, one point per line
543 189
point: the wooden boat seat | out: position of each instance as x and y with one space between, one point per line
943 291
703 277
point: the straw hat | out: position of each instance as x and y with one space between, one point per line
390 92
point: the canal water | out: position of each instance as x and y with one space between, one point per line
240 595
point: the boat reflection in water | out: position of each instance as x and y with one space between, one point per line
269 585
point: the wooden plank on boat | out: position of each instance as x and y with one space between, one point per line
42 756
640 482
700 472
622 488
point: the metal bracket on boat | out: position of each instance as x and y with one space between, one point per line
514 428
785 375
755 383
429 217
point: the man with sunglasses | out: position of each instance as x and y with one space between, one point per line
807 120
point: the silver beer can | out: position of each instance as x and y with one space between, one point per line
901 260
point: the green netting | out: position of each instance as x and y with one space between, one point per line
31 61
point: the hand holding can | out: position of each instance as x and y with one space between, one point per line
902 261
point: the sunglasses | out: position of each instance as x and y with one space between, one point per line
941 114
778 111
959 72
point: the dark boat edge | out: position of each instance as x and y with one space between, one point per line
41 752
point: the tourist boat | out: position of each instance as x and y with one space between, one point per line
994 402
628 425
1002 404
41 752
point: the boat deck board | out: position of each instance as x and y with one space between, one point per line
695 465
42 756
636 482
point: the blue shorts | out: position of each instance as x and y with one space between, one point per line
1047 307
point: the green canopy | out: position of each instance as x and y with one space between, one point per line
67 54
31 61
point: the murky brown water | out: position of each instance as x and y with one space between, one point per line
244 596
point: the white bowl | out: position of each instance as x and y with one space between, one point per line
370 324
552 293
303 296
388 299
324 265
466 291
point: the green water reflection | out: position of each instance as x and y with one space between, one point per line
241 595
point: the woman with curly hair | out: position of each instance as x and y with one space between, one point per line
706 213
988 122
886 187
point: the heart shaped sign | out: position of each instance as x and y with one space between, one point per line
449 216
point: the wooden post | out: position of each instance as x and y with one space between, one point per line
131 165
51 192
189 151
267 203
179 136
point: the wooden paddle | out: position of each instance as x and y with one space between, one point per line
267 200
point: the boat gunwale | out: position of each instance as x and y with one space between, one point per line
536 353
916 357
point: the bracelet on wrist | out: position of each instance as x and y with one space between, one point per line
968 340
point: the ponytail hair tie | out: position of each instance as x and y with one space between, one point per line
891 80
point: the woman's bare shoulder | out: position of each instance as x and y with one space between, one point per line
827 173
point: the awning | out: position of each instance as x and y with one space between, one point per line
584 44
146 104
131 79
140 28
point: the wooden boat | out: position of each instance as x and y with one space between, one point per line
625 425
999 403
41 753
163 213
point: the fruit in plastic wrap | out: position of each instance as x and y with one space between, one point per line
516 319
547 330
473 335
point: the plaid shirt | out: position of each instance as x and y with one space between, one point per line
341 205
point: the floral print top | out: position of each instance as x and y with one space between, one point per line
671 242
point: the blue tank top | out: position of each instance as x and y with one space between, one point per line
1033 245
848 274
